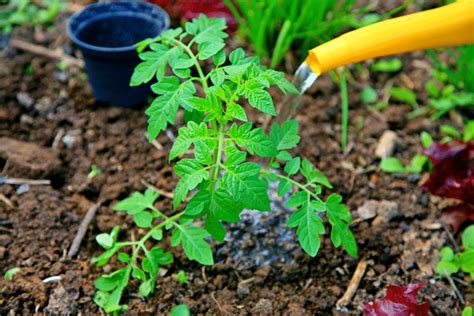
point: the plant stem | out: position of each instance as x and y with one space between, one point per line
345 109
293 182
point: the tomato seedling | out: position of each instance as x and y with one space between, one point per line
219 173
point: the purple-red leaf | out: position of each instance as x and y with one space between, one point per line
399 301
457 215
453 175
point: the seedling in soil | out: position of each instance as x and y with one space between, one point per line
219 173
10 273
95 171
21 12
421 162
181 277
450 262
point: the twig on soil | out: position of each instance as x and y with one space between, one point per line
27 181
161 192
451 238
155 143
353 284
217 303
57 138
246 281
455 288
203 271
82 230
55 278
6 200
45 52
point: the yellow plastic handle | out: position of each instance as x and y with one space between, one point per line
450 25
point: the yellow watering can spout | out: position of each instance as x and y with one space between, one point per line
450 25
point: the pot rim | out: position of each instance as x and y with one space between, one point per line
103 49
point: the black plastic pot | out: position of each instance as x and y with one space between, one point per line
106 34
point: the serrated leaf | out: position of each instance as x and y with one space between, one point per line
310 226
234 156
136 203
293 166
194 245
219 58
154 64
246 186
254 140
192 173
278 78
143 219
235 111
313 175
339 217
261 100
209 49
285 136
217 76
191 134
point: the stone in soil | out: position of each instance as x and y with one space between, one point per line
27 160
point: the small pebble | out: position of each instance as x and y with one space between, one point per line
24 99
22 189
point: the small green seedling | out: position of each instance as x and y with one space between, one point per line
181 277
421 162
451 263
219 178
402 94
387 65
10 273
467 311
27 12
95 171
180 310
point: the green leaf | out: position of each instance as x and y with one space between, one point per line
236 56
209 49
104 258
245 185
219 58
180 310
194 245
192 173
123 257
284 156
284 187
339 217
154 64
469 131
450 131
417 163
191 134
313 175
217 76
447 267
387 65
143 219
293 166
432 89
254 140
467 311
278 78
310 226
468 238
8 276
145 288
181 277
392 165
446 254
164 108
109 282
207 30
368 95
157 234
286 135
105 240
403 95
137 202
235 111
234 156
261 100
426 139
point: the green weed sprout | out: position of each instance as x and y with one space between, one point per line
219 172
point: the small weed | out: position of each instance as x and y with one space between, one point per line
10 273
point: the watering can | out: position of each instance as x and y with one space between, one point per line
450 25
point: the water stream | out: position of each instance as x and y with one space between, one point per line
303 79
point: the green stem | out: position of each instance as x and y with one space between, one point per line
293 182
345 109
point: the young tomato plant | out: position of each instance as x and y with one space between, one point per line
219 173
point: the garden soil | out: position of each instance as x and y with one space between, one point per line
50 117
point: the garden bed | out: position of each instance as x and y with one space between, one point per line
42 105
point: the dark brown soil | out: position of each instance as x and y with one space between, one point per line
55 110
